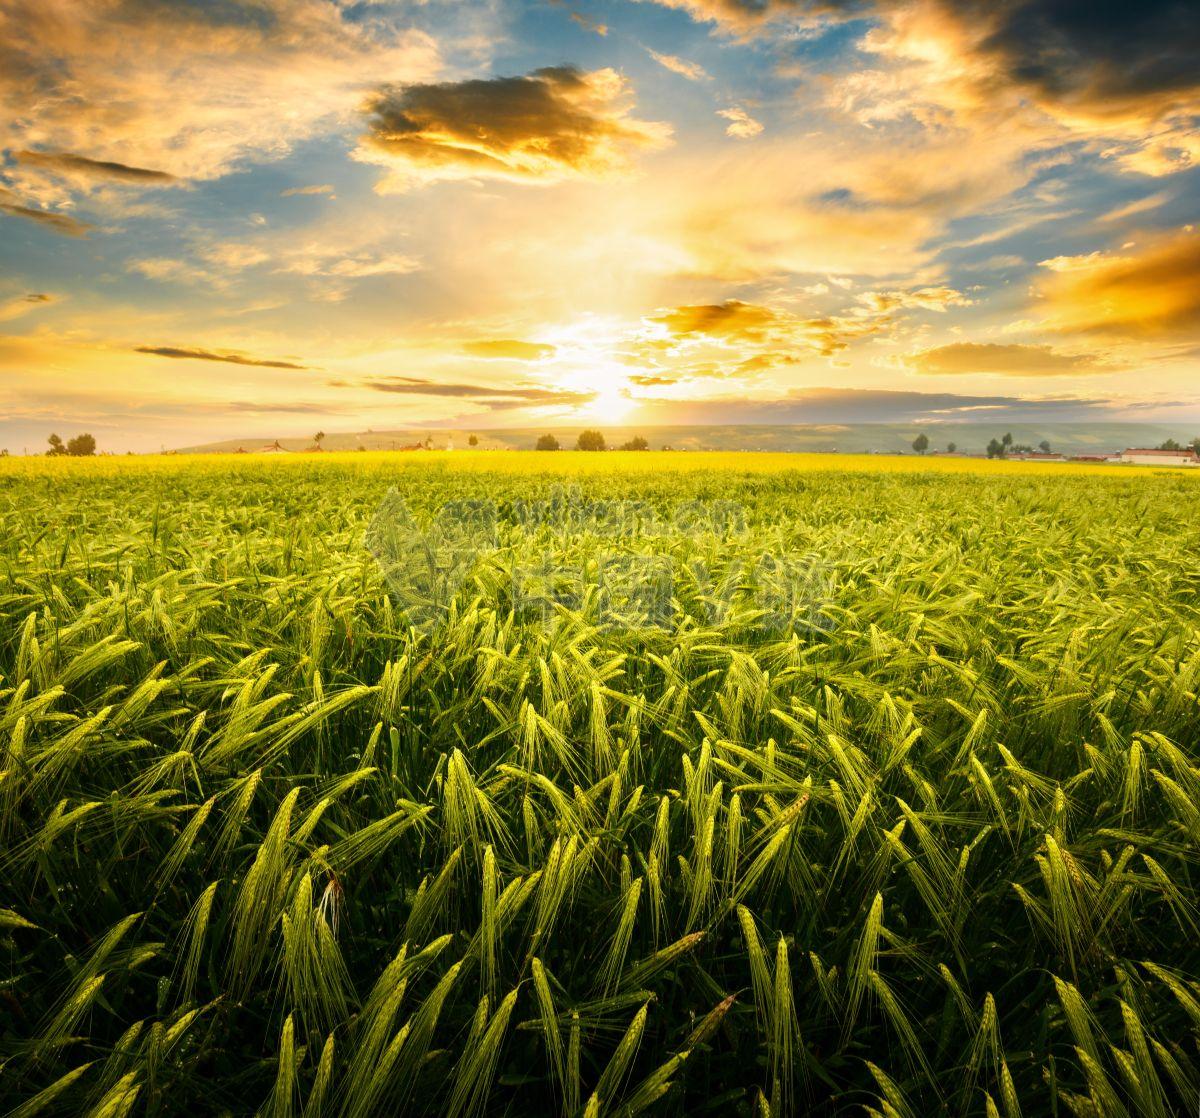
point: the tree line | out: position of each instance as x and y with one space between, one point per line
81 446
590 440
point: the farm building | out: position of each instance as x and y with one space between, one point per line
1139 456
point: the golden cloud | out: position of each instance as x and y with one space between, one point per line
547 126
1013 360
733 319
693 71
509 349
1150 291
747 16
741 325
190 90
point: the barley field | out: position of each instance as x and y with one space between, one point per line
515 784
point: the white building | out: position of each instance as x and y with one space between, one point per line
1139 456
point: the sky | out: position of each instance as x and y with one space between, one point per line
261 218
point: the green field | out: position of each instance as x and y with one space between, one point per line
890 803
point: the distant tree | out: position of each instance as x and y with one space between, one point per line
1196 445
1044 446
995 449
473 440
636 443
428 442
590 440
951 447
81 446
1006 441
318 437
546 442
56 447
921 444
1170 444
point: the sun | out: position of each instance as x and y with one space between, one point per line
611 404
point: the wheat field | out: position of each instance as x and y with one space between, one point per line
920 839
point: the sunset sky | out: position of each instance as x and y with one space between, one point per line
225 218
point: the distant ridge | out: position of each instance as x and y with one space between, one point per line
887 438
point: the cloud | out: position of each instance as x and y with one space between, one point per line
748 16
591 25
23 304
59 222
1139 206
869 203
493 397
748 326
294 191
208 355
79 166
1077 58
852 406
1115 60
1150 291
742 125
318 261
731 319
1123 71
191 89
509 349
547 126
693 71
924 298
1004 360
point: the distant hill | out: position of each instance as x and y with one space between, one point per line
972 438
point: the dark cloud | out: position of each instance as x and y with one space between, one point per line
1101 58
61 162
1069 52
208 355
59 222
544 126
